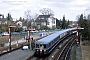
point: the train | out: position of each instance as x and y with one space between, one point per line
46 45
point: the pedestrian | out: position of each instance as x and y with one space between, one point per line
32 38
32 45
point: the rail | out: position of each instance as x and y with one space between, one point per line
63 55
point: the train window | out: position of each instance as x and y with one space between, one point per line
49 44
55 39
52 42
37 46
44 46
61 35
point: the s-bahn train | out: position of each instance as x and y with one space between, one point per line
45 45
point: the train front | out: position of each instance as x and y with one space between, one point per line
40 49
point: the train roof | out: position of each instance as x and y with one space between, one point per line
47 39
51 37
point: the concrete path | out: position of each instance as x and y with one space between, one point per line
76 53
17 55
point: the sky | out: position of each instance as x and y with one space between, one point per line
70 8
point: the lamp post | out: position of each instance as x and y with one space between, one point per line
9 30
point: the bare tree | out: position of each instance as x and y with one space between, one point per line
77 17
27 15
34 16
30 17
47 11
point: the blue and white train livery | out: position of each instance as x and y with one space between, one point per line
46 45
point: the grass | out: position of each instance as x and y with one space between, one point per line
85 46
4 39
86 42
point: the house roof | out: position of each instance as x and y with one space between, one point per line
18 21
1 14
3 19
12 23
42 18
24 23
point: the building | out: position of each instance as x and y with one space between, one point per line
45 20
4 21
22 24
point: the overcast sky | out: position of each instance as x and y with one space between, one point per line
71 8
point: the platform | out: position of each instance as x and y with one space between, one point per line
18 55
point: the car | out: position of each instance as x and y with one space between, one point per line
25 48
34 31
14 33
23 32
4 33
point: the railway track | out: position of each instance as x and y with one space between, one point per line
34 58
64 53
54 55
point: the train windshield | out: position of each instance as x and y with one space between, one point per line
41 46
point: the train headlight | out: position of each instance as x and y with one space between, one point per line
40 50
44 50
37 50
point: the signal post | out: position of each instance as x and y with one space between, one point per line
9 37
29 41
77 34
